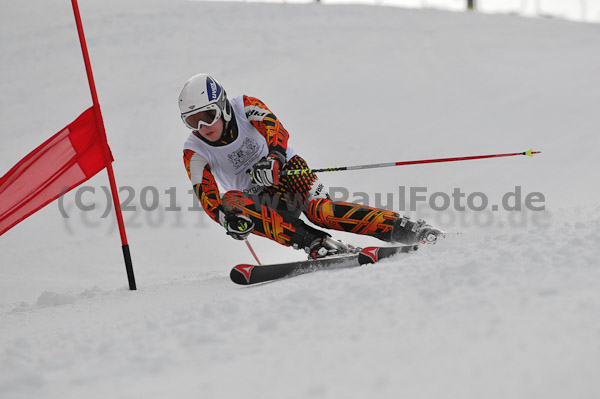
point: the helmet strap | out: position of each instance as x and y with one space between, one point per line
225 126
230 130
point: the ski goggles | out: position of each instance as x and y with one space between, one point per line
206 116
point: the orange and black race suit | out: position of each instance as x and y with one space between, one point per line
276 209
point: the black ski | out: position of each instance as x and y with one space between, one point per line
375 254
246 274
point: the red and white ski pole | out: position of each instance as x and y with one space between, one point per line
252 251
402 163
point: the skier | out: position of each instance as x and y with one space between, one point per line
242 145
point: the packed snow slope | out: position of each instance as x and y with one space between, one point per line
510 308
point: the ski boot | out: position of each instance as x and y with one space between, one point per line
317 243
326 246
406 232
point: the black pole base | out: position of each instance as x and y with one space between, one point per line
129 267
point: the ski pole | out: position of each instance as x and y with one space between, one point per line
252 251
402 163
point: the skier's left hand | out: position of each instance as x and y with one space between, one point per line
238 226
266 171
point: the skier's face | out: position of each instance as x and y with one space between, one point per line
214 132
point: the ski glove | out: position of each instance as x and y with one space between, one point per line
266 171
238 226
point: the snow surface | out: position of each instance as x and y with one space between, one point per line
510 308
574 10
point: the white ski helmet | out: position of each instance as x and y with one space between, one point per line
203 93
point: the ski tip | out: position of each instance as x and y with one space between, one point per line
241 274
370 255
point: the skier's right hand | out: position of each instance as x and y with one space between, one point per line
238 226
265 172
